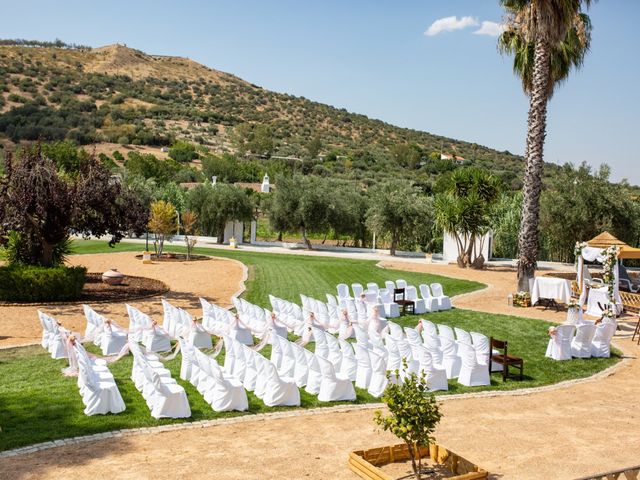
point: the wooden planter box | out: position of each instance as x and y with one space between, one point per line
365 462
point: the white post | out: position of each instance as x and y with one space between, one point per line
254 229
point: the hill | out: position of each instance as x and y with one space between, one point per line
120 95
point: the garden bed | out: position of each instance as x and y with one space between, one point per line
175 257
96 291
386 463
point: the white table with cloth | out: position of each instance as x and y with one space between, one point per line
551 288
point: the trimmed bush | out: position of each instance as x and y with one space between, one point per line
21 283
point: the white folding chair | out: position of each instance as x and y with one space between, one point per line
601 344
436 377
581 343
559 346
472 373
430 302
378 382
364 369
444 302
334 387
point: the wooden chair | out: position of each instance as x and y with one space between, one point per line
504 358
637 331
408 306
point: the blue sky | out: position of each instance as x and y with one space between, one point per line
373 57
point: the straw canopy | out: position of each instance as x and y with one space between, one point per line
606 240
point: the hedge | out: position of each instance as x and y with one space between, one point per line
21 283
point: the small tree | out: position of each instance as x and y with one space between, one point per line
189 227
162 222
413 413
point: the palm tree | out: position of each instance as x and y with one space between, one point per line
548 38
463 211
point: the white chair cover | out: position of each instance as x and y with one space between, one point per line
601 345
559 346
581 343
334 387
430 302
436 377
314 377
472 373
450 359
419 304
378 382
444 302
391 309
364 370
349 364
279 391
428 328
343 291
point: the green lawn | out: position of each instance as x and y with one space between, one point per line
287 276
38 404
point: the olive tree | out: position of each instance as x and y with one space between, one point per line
300 204
215 205
400 210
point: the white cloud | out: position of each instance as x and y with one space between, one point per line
491 29
449 24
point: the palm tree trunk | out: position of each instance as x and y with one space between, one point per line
534 164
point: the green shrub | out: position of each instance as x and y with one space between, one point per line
20 283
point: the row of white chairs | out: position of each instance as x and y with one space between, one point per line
98 389
259 320
164 396
221 322
54 337
110 337
259 375
326 372
289 313
581 341
142 328
177 322
440 353
222 391
431 298
392 351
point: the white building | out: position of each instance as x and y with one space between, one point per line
450 247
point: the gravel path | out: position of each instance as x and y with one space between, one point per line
216 280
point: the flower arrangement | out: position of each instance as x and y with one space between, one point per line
577 251
552 331
610 258
522 299
573 304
